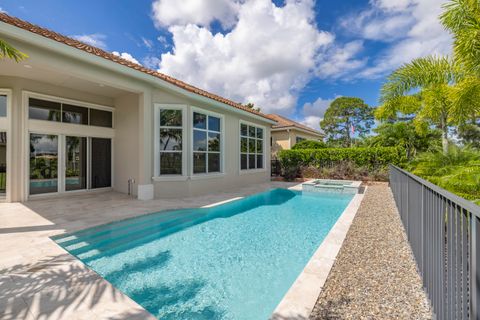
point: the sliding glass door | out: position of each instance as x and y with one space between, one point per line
61 163
43 163
75 163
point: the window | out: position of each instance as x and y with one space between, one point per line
251 147
299 139
44 110
74 114
206 143
100 118
40 109
171 141
3 105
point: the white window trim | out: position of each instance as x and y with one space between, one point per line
239 148
156 126
5 125
197 176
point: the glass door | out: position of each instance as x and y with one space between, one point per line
3 164
75 163
101 163
43 163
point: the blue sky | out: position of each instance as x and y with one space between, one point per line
288 57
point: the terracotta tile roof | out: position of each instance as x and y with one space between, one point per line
19 23
283 122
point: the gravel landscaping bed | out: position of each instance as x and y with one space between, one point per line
374 276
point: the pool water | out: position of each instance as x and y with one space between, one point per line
232 261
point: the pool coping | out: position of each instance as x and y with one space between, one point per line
300 299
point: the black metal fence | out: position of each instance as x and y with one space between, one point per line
275 168
444 233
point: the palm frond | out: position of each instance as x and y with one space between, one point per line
7 51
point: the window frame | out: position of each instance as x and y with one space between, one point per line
6 126
264 151
157 151
35 95
208 113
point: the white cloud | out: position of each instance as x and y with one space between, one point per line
339 61
313 112
95 39
147 43
3 11
413 24
312 122
151 62
203 13
126 56
266 58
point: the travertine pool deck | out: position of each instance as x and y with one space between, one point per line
39 280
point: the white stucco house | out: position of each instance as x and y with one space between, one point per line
75 118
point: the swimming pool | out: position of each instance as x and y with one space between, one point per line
232 261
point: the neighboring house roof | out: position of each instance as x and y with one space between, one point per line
285 123
19 23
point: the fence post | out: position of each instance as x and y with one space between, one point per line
475 271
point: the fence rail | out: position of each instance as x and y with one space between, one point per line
444 233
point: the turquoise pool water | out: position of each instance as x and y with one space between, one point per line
233 261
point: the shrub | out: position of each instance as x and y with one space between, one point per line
457 171
328 157
309 144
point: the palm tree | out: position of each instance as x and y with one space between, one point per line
422 87
7 51
462 19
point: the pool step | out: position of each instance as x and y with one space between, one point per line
127 224
107 246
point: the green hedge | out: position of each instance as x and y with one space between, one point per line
309 144
365 157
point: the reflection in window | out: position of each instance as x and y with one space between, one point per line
39 109
75 163
206 143
44 110
171 141
251 147
43 163
74 114
3 105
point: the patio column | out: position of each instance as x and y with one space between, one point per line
145 147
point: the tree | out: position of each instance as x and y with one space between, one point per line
431 79
462 19
405 135
9 52
345 117
252 106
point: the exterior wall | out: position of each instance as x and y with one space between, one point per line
300 134
133 132
285 139
280 141
232 177
127 134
